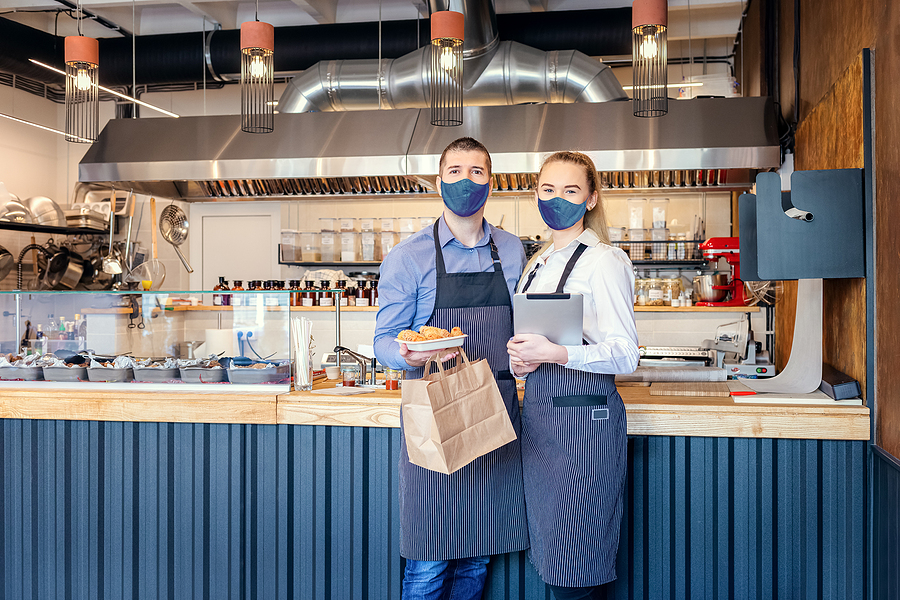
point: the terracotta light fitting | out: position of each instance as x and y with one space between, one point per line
257 77
649 20
82 95
446 77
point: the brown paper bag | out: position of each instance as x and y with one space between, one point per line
452 417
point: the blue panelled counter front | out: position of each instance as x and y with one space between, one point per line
110 497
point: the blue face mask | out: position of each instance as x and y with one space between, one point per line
561 214
465 197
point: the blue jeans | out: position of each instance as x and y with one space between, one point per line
459 579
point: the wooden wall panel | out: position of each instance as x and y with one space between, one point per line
887 233
830 137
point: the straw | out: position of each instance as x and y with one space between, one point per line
301 338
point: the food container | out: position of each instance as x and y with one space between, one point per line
349 246
388 241
407 224
350 376
347 224
405 235
387 224
636 208
703 287
327 240
368 245
658 250
658 208
309 246
671 289
73 373
616 235
25 373
655 295
328 224
392 378
640 292
156 374
203 375
367 224
636 250
425 222
110 374
277 374
290 246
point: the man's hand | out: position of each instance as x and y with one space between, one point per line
415 358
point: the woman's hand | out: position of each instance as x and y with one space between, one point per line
521 369
414 358
527 349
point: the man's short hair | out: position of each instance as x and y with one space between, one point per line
465 144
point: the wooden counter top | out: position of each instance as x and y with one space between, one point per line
647 415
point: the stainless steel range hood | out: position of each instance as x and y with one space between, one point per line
397 151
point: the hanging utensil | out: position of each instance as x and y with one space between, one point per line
129 208
111 264
173 225
151 273
6 262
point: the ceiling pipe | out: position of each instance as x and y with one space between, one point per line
179 57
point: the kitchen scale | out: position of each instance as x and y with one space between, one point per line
736 351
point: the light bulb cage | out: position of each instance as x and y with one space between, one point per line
446 75
650 71
257 77
82 89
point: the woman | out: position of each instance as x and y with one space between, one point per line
573 419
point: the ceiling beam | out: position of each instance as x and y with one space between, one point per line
323 11
201 11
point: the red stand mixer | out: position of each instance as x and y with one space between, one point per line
728 247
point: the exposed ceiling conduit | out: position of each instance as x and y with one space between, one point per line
180 58
495 73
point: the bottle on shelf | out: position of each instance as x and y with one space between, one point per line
80 328
270 299
236 299
61 329
309 295
221 299
70 330
39 340
342 285
326 298
373 292
294 286
362 293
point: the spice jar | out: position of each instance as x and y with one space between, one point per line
325 297
342 285
309 295
237 299
350 375
295 292
640 292
362 294
655 295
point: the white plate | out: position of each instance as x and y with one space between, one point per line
449 342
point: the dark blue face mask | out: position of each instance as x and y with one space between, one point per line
464 197
561 214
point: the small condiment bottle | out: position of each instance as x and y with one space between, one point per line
373 293
350 375
325 298
309 295
342 285
220 299
236 299
294 284
362 294
392 378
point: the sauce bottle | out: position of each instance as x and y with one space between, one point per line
309 295
342 285
325 298
295 295
362 294
220 299
236 299
373 293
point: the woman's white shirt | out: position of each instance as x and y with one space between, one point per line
605 277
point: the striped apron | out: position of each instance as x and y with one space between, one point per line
574 458
480 509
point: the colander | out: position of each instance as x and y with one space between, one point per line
173 225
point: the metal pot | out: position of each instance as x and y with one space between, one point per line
6 262
64 269
703 287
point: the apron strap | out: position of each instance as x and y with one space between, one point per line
569 266
439 254
531 277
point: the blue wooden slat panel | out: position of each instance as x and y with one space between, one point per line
178 511
885 525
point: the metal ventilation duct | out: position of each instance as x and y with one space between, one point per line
494 74
397 151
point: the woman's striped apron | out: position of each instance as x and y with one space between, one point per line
574 458
480 509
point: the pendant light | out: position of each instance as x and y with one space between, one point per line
649 19
82 56
447 35
257 76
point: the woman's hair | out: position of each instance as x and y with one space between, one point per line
594 219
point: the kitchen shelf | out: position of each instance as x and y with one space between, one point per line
668 264
697 309
32 228
361 263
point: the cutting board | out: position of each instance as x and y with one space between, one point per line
690 388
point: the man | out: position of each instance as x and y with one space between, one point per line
460 272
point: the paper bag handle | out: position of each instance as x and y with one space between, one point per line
435 358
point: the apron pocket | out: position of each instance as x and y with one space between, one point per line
504 375
579 400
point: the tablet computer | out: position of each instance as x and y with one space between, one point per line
558 317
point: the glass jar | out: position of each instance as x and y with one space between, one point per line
350 375
640 292
362 293
295 292
326 298
342 285
237 299
392 378
373 293
221 299
655 296
671 289
309 295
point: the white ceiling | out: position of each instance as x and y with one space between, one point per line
708 19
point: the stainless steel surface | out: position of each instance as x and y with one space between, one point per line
480 23
314 154
111 264
15 212
44 211
6 262
703 287
173 225
361 360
